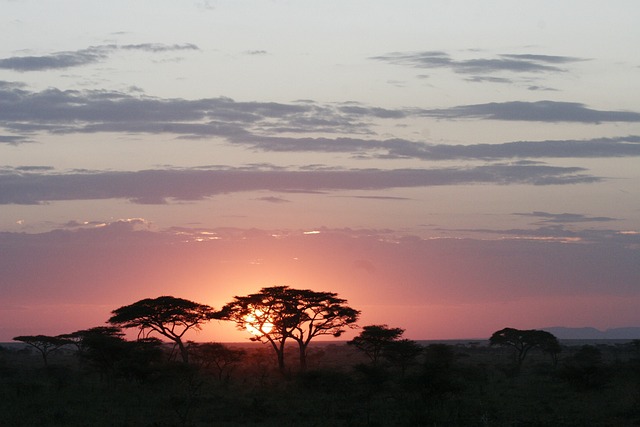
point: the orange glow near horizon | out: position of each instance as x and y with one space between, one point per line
413 284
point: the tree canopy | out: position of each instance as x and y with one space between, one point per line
276 314
45 344
522 341
375 339
169 316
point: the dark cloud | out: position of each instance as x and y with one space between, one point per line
591 148
159 186
156 47
382 113
59 60
380 197
401 148
541 88
254 123
272 199
69 111
526 63
539 111
258 124
13 139
563 218
93 54
490 79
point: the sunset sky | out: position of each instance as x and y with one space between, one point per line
448 167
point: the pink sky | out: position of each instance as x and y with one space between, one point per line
62 281
448 167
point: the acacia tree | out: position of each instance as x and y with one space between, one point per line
375 339
522 341
268 315
169 316
45 344
213 354
81 338
278 313
320 313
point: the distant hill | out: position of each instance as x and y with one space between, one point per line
563 333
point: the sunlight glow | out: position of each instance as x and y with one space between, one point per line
256 324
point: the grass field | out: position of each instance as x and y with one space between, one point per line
466 384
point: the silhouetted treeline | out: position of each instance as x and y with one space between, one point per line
105 380
97 377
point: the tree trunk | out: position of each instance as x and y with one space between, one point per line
183 351
303 357
278 347
281 361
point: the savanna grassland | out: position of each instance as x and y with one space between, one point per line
466 384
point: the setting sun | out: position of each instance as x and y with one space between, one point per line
450 187
257 323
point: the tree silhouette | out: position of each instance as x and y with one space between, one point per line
402 353
100 347
320 313
104 349
522 341
214 355
585 369
82 338
375 339
269 315
169 316
440 379
550 345
45 344
278 313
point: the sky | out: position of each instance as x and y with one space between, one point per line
447 167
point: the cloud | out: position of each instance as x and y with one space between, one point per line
272 199
539 111
489 79
265 125
59 60
156 47
519 69
563 218
73 111
90 55
397 148
104 264
13 139
541 88
515 63
262 125
380 197
160 186
34 168
557 232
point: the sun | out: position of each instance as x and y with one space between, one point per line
257 323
